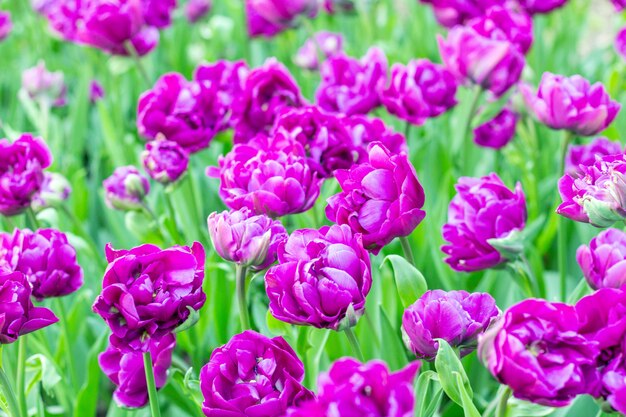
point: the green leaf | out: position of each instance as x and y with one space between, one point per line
428 393
469 408
520 408
581 290
43 371
87 400
194 316
490 110
410 282
394 352
448 365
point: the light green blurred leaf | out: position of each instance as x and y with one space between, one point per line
43 371
410 282
393 352
449 365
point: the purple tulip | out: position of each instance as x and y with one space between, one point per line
45 86
21 172
471 56
604 322
284 12
365 130
126 189
6 25
127 371
598 195
229 78
158 13
328 143
458 317
483 209
197 9
54 190
352 389
537 351
271 182
336 6
188 113
603 262
541 6
450 13
165 161
587 154
619 4
96 91
497 132
322 44
352 86
267 90
322 278
148 292
252 375
18 315
258 25
506 24
46 258
620 42
571 103
419 90
246 239
381 199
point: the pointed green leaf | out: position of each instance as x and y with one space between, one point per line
410 282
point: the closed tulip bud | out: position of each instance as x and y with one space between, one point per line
165 161
497 132
571 103
126 189
458 317
599 195
43 85
246 239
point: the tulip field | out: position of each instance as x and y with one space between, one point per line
312 208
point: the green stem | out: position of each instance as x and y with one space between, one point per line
7 391
354 342
130 48
240 282
466 144
524 280
152 391
170 207
66 338
562 233
502 408
31 217
407 130
21 374
406 248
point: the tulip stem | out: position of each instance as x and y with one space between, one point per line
240 282
354 342
130 48
562 233
66 337
152 391
466 143
502 407
21 368
406 248
407 130
170 207
32 218
7 392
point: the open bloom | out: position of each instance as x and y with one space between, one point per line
458 317
158 13
474 57
571 103
366 130
46 258
148 292
271 182
483 209
604 322
598 195
18 315
586 155
603 262
21 172
450 13
252 375
127 371
419 90
188 113
267 90
352 86
506 23
54 190
322 278
353 389
246 239
325 137
381 199
326 44
497 132
45 86
126 188
536 350
165 161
